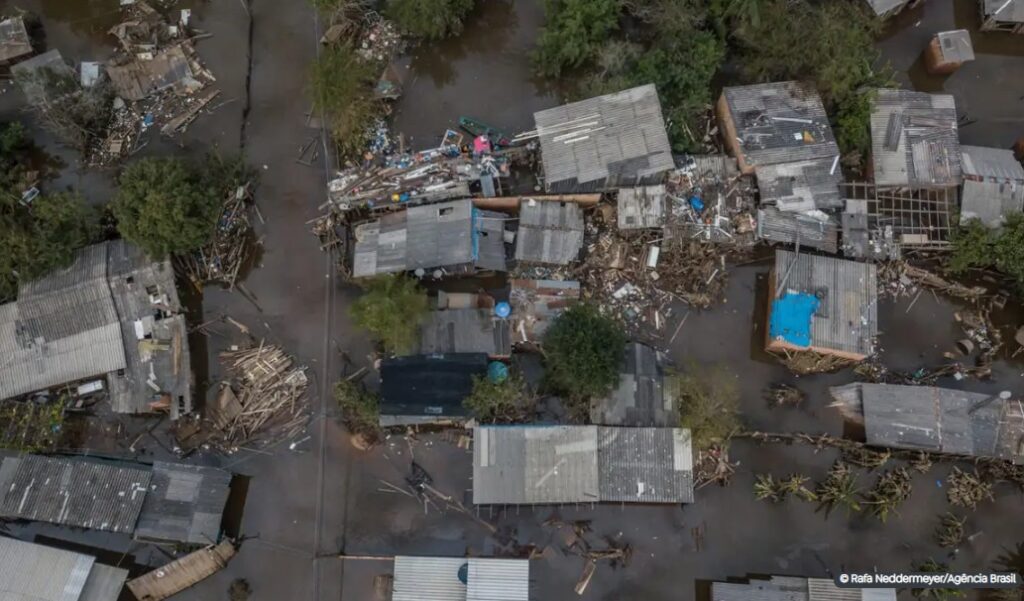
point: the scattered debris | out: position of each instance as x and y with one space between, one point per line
575 536
866 458
890 491
713 467
950 532
812 362
967 489
784 395
232 246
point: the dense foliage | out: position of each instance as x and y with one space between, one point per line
360 410
583 350
429 19
975 246
708 403
166 206
493 401
342 85
391 308
574 33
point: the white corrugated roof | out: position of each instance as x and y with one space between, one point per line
437 579
31 572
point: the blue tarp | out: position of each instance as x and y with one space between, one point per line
791 318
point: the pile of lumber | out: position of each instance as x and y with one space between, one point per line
231 248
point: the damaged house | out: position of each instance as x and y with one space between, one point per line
993 185
780 133
437 239
541 465
795 588
936 420
1002 15
550 232
536 304
641 398
31 572
428 389
110 320
612 141
460 579
914 140
15 43
822 304
465 331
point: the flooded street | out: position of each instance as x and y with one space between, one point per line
306 505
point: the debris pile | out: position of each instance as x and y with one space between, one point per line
890 491
575 538
263 400
967 489
380 40
899 278
708 199
784 395
231 248
713 467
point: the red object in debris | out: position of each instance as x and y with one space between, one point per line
481 144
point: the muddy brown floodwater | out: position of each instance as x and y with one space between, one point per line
303 506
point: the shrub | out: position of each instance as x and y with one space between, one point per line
708 403
430 19
575 31
342 84
583 351
392 308
360 410
493 401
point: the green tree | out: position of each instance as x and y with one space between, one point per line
973 246
164 206
853 124
493 401
1009 248
342 84
574 33
708 403
391 308
360 410
430 19
583 350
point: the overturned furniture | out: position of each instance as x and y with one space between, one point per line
795 588
936 420
993 185
39 573
460 579
182 573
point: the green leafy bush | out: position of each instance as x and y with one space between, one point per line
391 308
574 33
342 85
430 19
493 401
583 351
708 403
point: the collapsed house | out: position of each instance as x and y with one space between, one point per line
1002 15
948 51
936 420
993 185
460 579
110 320
708 199
39 573
881 222
536 304
914 139
611 141
15 43
451 331
182 573
428 389
641 399
525 465
780 133
822 304
550 233
443 239
165 502
642 207
795 588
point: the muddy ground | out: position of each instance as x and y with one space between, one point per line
306 505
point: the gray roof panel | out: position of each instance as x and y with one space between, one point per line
645 465
465 331
914 139
549 232
185 503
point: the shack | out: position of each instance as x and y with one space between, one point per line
819 231
642 397
550 233
914 139
445 238
936 420
947 51
427 389
1002 15
460 579
136 79
182 573
612 141
113 314
452 331
529 465
535 304
881 222
166 502
993 185
642 207
795 588
822 304
14 41
31 572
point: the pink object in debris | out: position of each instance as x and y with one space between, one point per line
481 144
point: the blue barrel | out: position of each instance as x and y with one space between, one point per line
497 371
503 309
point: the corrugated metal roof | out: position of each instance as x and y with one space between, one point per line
428 387
498 580
536 303
612 140
549 232
790 228
580 464
72 492
780 122
882 7
437 579
993 185
847 316
640 398
956 46
465 331
801 186
30 572
794 588
996 164
185 503
137 78
641 207
104 583
1007 11
914 139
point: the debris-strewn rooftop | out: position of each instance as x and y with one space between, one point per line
465 331
939 420
113 313
31 572
795 588
550 232
993 185
823 304
427 388
581 464
450 236
914 139
536 303
610 141
641 398
641 207
29 73
820 232
801 186
772 123
14 40
460 579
